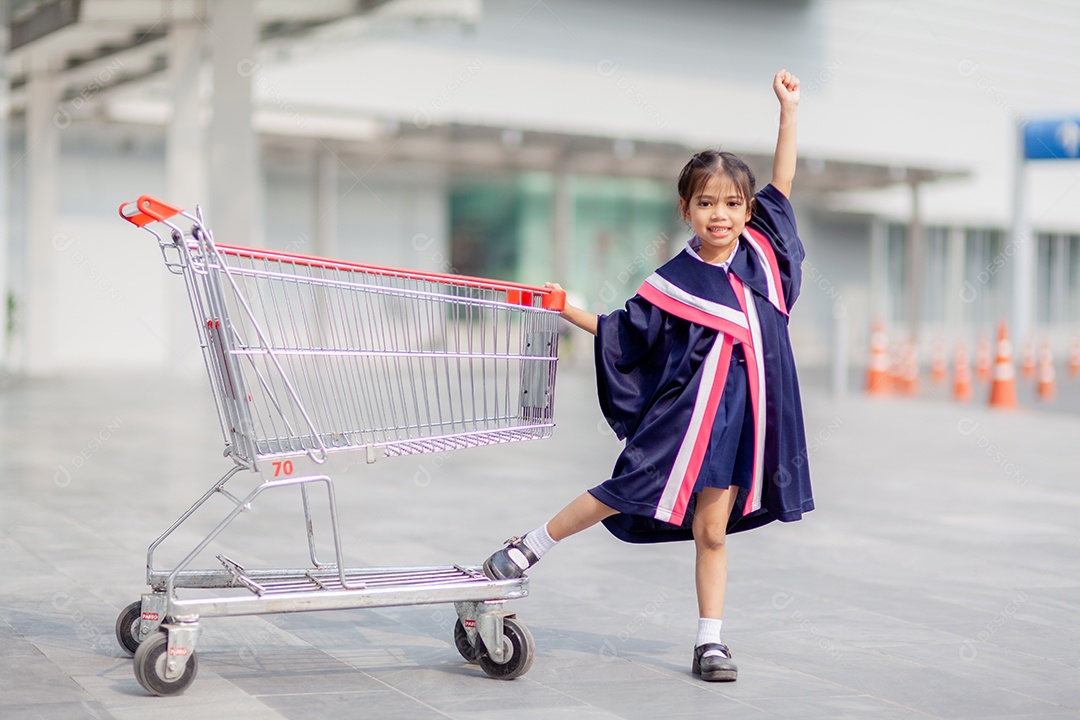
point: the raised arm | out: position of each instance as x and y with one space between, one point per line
786 87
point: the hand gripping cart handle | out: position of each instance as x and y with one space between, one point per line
315 364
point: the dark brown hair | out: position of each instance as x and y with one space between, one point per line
715 163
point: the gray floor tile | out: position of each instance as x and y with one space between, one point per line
84 710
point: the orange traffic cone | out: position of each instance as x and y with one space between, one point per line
962 380
982 359
939 364
908 369
1046 388
1003 389
1027 359
878 381
896 366
1074 357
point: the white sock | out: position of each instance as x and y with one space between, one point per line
708 631
539 541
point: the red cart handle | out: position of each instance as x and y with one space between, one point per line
148 209
554 300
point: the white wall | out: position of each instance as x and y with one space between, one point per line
935 82
946 83
109 303
115 300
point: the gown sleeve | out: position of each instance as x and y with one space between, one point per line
774 216
629 363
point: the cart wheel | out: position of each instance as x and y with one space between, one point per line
519 641
150 661
127 627
461 642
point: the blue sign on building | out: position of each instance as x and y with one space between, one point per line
1052 139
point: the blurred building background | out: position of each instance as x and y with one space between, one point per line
531 140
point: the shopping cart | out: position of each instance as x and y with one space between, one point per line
315 364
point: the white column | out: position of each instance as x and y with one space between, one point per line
326 202
185 165
957 296
1022 242
840 364
1059 263
5 189
879 276
916 265
563 222
235 177
42 160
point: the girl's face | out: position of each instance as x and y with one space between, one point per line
717 213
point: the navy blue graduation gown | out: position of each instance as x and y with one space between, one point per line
661 367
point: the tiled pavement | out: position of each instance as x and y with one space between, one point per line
939 576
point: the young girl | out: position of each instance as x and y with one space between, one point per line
696 374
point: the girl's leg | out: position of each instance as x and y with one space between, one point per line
520 554
583 512
712 659
710 538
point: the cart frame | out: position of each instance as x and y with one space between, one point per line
272 383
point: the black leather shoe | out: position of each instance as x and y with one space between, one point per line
502 565
715 668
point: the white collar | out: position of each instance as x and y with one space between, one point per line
694 244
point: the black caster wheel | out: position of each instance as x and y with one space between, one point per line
127 627
461 642
150 661
519 642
